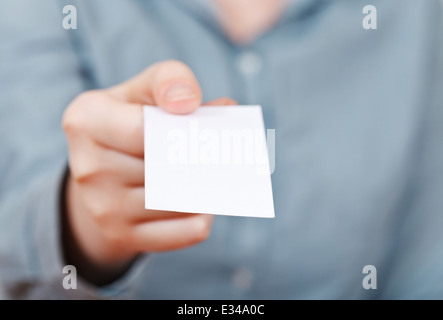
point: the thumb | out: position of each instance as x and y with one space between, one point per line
170 84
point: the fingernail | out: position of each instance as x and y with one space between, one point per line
178 92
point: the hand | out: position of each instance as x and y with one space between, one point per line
106 223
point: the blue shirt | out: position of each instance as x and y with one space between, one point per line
358 118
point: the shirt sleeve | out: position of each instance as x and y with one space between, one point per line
41 71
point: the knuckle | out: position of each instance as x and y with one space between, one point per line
115 237
103 213
83 168
71 121
75 116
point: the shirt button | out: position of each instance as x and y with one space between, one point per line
249 63
242 278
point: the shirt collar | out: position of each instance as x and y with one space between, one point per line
299 8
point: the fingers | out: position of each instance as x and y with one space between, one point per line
129 208
172 234
112 123
224 101
132 207
90 161
119 125
114 117
169 84
109 122
105 135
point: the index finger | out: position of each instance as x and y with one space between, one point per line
118 125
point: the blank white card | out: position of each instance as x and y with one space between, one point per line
213 161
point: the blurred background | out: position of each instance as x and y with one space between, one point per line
358 171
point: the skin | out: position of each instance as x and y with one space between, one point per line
245 20
105 226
